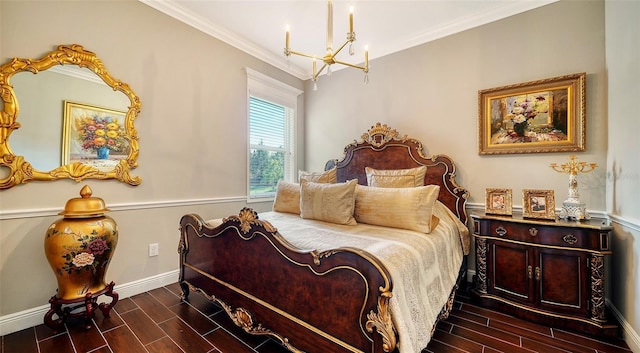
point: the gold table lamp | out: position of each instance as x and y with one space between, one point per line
573 208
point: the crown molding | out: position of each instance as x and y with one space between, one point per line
173 9
469 22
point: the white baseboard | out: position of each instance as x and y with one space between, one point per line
33 317
630 336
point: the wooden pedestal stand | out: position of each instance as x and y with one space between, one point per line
72 308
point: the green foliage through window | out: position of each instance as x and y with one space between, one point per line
269 144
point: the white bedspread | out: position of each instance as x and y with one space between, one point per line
423 267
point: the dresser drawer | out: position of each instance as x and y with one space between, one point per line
566 237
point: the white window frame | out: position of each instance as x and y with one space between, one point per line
269 89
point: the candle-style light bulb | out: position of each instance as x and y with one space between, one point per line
350 19
315 70
330 27
287 38
366 56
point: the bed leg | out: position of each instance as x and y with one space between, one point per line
185 291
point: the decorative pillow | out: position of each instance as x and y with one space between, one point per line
287 197
396 178
328 202
328 176
405 208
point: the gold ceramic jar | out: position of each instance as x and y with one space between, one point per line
79 246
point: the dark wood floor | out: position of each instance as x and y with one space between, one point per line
158 322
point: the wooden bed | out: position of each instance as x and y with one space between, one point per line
311 301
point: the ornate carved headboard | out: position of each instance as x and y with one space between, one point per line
383 148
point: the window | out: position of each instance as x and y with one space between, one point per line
272 116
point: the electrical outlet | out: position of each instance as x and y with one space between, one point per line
153 249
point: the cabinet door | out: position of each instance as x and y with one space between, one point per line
510 271
562 281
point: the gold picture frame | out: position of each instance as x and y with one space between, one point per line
533 117
538 204
94 136
498 201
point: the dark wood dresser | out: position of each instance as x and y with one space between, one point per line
550 272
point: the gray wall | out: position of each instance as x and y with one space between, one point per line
192 130
623 160
430 92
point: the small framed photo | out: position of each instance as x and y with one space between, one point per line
538 204
498 201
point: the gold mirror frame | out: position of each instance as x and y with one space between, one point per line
21 171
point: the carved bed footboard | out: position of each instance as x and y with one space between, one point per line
333 301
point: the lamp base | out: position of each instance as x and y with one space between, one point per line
574 210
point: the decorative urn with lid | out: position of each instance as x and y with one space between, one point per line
79 248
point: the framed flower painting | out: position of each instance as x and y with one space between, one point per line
93 135
531 117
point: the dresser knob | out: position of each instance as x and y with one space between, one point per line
533 231
501 231
570 239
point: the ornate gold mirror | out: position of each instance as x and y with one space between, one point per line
76 120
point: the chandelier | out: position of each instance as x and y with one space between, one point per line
330 57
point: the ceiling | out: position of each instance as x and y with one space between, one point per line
258 26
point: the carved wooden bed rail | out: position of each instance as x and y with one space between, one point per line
334 301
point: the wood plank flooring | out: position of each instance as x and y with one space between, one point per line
159 322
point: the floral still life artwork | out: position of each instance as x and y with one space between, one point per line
529 118
94 136
540 116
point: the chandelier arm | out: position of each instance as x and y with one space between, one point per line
315 77
302 54
363 68
342 46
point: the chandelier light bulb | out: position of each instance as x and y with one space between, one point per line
352 50
315 85
329 71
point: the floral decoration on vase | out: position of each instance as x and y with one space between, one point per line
101 135
88 252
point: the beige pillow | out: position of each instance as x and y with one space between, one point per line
405 208
328 202
287 197
396 178
328 176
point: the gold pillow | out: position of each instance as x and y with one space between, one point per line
396 178
328 176
328 202
287 197
405 208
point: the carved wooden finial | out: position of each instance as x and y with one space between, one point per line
380 134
